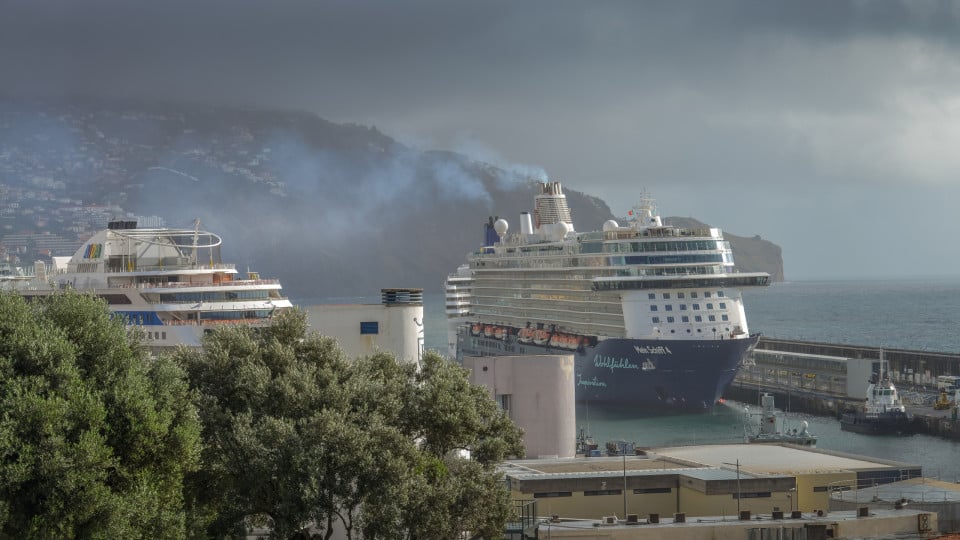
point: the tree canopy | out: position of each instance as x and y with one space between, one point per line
95 438
297 434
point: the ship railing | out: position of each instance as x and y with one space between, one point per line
216 322
141 267
186 284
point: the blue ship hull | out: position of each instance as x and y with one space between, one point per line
678 375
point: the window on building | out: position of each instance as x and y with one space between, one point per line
685 319
653 308
669 319
656 320
711 317
696 307
666 296
706 294
683 307
370 327
668 307
681 295
652 296
693 294
709 306
549 494
724 317
698 318
720 294
602 492
652 490
723 305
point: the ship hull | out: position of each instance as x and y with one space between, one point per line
884 424
650 375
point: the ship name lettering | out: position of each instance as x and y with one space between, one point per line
612 363
646 349
590 382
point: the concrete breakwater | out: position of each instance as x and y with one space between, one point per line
827 379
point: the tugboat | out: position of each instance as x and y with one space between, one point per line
883 412
771 427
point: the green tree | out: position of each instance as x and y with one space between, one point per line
297 434
95 438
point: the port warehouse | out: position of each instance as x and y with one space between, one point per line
705 488
840 373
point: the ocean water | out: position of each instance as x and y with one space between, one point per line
921 314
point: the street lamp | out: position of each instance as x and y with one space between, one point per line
624 452
737 464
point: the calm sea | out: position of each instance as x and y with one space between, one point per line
910 314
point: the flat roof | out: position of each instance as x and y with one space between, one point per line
758 520
926 490
773 458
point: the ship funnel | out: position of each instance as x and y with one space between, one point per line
550 206
526 223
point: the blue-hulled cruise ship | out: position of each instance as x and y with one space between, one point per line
652 313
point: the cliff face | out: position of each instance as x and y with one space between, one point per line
329 209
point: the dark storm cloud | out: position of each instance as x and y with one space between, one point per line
748 114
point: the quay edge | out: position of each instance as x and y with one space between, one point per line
827 379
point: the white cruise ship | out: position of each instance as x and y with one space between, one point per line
170 283
652 313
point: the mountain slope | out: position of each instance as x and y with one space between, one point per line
330 209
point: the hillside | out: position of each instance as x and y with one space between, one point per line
330 209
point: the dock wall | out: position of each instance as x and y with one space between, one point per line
826 379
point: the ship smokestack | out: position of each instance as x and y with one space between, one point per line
526 223
550 206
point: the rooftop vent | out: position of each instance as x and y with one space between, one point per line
395 297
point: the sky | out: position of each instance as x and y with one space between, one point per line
829 127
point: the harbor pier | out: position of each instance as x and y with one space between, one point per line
827 379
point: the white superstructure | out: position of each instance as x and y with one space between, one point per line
170 283
457 291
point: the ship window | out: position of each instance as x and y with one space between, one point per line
668 307
724 317
656 320
666 296
698 318
696 307
652 296
723 305
669 319
680 295
371 327
683 307
685 319
711 318
653 308
709 306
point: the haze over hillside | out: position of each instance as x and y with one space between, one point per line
330 209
